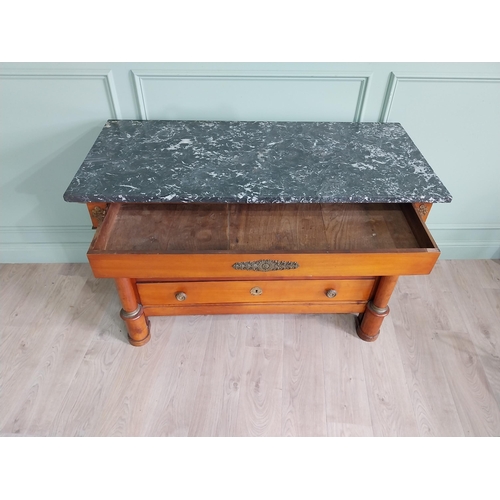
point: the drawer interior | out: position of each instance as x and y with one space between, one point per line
252 228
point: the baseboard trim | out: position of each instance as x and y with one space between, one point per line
459 250
43 253
47 253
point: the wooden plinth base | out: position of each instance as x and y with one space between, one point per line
368 326
145 340
361 334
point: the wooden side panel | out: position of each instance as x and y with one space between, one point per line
418 227
366 227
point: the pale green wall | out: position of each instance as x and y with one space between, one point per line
50 114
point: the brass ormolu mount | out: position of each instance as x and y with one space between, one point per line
265 265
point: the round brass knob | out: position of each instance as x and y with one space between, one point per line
180 296
331 293
256 290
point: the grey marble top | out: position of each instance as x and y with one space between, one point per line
255 162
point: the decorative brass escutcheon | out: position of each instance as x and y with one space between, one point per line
180 296
265 265
331 293
256 290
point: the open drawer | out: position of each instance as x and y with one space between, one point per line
249 241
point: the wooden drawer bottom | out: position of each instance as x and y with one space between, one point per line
191 293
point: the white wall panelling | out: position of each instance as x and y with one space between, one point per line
395 79
452 119
257 95
51 113
48 121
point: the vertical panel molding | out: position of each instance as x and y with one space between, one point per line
141 76
395 79
73 74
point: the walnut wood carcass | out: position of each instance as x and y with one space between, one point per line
190 259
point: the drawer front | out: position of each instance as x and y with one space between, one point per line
255 292
247 267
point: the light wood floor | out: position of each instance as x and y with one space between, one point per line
66 368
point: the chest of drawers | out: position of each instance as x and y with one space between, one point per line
265 235
172 259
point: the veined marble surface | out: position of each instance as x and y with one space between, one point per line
255 162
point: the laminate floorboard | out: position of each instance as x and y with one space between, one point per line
34 348
304 405
387 389
347 406
67 369
259 404
217 397
415 318
481 316
67 350
178 359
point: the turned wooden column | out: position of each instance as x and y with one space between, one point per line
133 313
377 309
